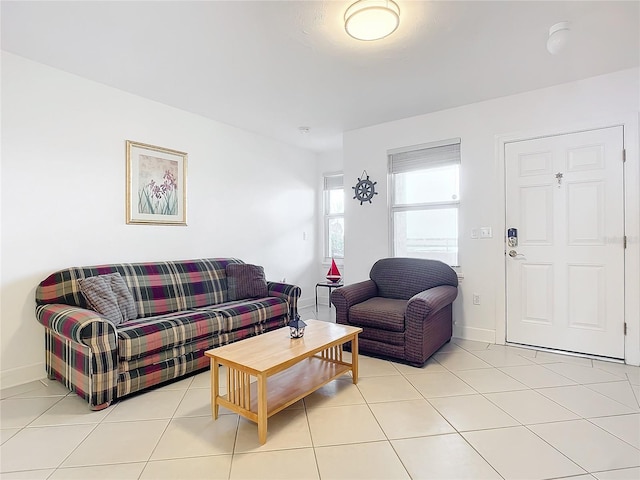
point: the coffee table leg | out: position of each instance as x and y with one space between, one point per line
262 409
354 359
215 388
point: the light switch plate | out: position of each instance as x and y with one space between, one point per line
485 232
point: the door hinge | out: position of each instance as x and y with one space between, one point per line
625 328
624 155
624 241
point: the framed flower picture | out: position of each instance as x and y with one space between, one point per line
156 185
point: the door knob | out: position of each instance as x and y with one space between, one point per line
514 254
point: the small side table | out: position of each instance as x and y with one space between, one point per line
330 286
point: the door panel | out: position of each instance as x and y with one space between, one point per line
565 286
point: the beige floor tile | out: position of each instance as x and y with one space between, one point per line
503 358
622 474
412 418
28 475
299 464
430 366
149 405
7 433
373 367
616 368
583 374
487 380
119 471
197 403
46 388
634 377
585 402
589 446
636 392
203 379
336 393
345 424
472 412
460 360
20 412
181 384
524 352
120 442
18 389
287 429
625 427
441 384
41 447
196 468
536 376
548 357
365 461
442 457
470 345
450 347
387 389
517 453
69 411
619 391
528 407
197 436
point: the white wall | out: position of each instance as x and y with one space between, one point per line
588 102
63 195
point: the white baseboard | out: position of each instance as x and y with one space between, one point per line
18 376
472 333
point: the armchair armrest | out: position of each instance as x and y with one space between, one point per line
430 301
291 293
344 298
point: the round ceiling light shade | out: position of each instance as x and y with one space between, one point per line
372 19
558 37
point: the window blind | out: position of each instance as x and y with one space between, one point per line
333 182
425 157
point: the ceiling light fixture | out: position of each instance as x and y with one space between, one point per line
372 19
558 37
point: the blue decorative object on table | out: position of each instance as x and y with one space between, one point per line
296 327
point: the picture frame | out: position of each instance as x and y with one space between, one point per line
156 185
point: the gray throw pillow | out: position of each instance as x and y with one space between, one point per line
109 296
246 281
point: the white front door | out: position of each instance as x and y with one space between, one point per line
565 277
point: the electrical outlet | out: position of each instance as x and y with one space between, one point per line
476 299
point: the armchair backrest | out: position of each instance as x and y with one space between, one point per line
402 278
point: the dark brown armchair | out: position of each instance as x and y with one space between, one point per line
405 309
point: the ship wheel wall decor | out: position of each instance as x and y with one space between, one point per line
365 189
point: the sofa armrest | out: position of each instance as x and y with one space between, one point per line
430 301
85 347
291 293
344 298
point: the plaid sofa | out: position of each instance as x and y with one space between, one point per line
183 310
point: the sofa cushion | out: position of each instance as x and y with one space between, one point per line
147 336
246 281
109 296
244 313
378 312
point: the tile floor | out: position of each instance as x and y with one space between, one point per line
474 411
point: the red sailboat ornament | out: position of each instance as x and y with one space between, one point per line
334 274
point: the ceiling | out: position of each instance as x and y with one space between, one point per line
272 66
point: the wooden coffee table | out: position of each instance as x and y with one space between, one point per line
287 369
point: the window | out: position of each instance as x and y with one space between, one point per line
334 216
425 198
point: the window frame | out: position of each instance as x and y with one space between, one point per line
328 216
421 206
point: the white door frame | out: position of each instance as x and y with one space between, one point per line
630 124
